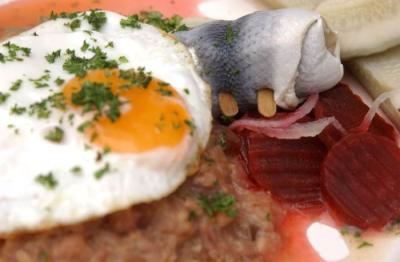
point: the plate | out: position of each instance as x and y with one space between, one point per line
19 15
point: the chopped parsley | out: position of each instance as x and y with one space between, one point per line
74 24
82 127
268 216
51 58
88 32
235 72
14 128
132 21
163 91
85 46
59 81
18 110
47 180
106 150
209 159
42 109
123 60
80 65
43 256
191 125
192 215
218 202
42 81
97 97
364 244
96 19
186 91
54 16
229 34
226 119
15 86
136 77
4 97
161 123
222 140
110 45
102 171
76 170
169 25
15 53
55 135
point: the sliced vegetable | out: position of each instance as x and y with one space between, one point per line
360 180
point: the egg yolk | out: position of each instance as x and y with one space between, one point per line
151 117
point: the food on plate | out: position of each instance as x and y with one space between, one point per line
213 211
313 173
99 112
290 52
104 129
380 73
337 102
288 168
360 178
364 27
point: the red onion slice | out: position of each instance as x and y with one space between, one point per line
364 126
278 121
373 110
297 130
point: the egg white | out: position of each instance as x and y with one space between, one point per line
26 205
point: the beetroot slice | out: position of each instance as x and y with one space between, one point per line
289 169
361 180
349 110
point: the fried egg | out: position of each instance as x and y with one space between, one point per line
94 120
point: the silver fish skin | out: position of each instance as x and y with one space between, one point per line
291 51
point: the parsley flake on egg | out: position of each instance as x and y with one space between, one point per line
15 53
4 97
47 180
157 19
51 58
96 19
16 85
102 171
55 135
80 65
97 97
54 15
138 77
74 24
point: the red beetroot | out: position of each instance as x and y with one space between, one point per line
289 169
349 110
361 180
